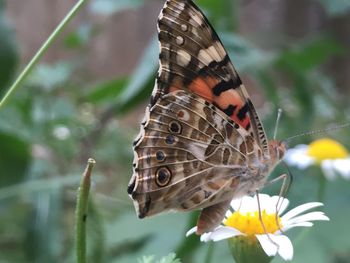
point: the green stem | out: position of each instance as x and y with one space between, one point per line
41 51
210 252
322 181
81 212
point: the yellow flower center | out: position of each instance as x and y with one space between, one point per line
250 224
324 149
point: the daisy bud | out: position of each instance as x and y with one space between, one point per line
246 249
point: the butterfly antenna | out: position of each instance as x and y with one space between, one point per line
309 133
279 114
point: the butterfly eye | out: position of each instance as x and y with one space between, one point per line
160 156
170 139
175 127
163 176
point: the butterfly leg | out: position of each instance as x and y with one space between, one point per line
287 180
262 222
210 217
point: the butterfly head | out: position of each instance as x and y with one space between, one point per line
277 150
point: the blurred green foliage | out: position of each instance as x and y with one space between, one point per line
8 51
58 120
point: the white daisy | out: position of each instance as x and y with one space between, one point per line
244 221
329 154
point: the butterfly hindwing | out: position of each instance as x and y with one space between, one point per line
188 145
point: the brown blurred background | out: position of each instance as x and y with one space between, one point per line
123 36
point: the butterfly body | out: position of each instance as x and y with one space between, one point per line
201 143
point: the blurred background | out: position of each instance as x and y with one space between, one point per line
88 95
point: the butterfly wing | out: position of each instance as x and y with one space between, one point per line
190 155
201 133
193 58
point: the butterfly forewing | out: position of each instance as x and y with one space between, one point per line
193 58
201 142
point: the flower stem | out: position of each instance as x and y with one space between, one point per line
210 252
321 188
81 212
29 67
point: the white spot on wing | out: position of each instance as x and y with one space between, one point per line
204 57
181 6
184 27
196 19
220 49
210 54
179 40
183 115
183 58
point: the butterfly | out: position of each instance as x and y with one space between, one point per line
201 142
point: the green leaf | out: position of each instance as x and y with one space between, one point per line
142 78
8 53
171 258
106 91
49 76
146 259
14 159
244 54
79 38
309 55
222 14
128 228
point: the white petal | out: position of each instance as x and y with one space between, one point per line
282 245
302 224
297 156
220 233
300 209
342 166
191 231
328 169
205 237
313 216
265 203
285 249
236 204
282 204
228 213
244 204
269 248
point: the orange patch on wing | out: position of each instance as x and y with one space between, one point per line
202 86
244 123
173 88
231 97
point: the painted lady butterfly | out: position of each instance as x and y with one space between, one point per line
201 142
